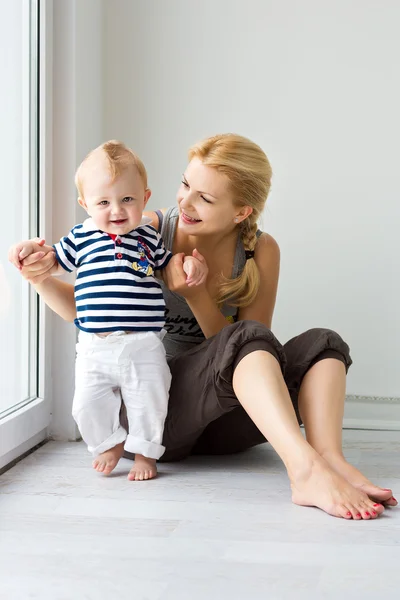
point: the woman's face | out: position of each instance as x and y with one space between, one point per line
205 202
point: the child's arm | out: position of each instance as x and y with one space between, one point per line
195 268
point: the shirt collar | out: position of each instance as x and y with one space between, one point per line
89 224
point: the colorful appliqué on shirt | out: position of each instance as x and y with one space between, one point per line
143 264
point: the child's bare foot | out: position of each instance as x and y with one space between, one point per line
143 468
108 460
357 480
316 484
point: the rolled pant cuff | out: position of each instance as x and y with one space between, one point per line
117 437
138 445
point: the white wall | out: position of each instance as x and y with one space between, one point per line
316 84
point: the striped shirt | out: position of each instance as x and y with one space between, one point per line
115 287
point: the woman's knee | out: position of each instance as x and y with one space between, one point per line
241 339
315 344
252 335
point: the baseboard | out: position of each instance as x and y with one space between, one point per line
16 454
370 412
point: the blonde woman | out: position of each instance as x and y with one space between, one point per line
233 384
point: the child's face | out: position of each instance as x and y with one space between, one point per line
116 206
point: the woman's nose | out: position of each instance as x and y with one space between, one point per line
186 201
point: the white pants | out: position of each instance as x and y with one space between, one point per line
129 364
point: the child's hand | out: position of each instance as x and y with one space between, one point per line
18 252
195 268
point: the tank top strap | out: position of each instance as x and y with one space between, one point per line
160 216
168 226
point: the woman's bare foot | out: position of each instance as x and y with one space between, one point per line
108 460
316 484
143 468
358 480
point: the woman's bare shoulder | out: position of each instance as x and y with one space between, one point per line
155 221
267 257
267 249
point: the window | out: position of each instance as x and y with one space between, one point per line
19 171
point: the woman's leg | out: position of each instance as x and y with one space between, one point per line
204 414
260 388
321 406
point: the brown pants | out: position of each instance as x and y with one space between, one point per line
204 415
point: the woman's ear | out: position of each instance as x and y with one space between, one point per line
243 214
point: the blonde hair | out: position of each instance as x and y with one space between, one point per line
249 173
119 158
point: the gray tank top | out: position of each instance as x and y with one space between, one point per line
183 331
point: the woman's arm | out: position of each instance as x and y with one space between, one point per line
59 296
267 257
207 314
210 318
203 306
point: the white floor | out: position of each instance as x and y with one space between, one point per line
207 528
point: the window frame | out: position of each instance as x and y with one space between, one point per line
25 425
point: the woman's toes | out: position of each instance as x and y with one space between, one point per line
391 502
376 493
353 511
373 510
378 508
343 511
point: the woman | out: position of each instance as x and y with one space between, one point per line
233 384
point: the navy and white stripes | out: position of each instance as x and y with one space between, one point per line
115 288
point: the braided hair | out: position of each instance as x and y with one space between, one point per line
249 173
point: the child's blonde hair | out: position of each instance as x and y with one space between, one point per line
119 158
249 173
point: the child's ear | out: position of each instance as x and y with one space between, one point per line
147 195
82 202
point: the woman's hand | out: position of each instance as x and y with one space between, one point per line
18 252
176 279
38 266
